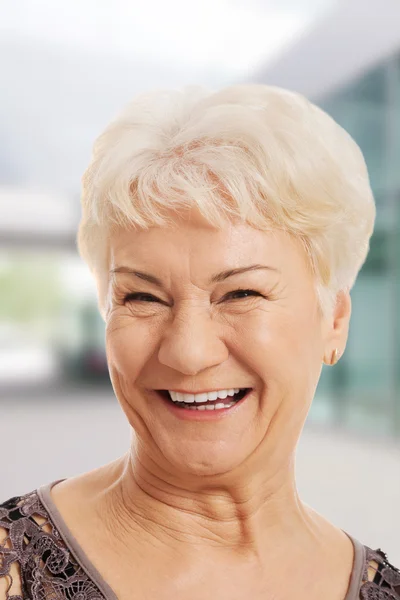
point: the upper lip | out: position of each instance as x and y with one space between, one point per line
206 390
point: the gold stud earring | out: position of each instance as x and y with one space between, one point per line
335 357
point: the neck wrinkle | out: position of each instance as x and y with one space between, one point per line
223 516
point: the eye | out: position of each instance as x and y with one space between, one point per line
140 297
243 294
235 295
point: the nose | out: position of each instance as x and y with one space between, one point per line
192 343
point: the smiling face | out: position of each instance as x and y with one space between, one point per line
194 331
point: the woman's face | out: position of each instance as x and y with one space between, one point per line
186 327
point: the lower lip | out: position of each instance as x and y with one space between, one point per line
203 415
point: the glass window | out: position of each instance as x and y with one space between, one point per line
362 390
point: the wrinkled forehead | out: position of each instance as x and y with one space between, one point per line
193 246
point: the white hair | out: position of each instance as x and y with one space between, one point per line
260 153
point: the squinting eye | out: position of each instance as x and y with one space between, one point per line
248 292
142 297
139 296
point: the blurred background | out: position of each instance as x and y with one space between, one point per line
66 69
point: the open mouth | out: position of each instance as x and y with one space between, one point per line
218 404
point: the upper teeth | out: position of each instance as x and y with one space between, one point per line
178 397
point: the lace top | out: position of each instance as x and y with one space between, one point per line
40 559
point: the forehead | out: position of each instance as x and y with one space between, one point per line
194 243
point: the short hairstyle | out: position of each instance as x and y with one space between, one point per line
262 154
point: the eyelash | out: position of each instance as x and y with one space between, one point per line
134 295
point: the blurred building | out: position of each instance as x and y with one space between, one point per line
347 62
349 65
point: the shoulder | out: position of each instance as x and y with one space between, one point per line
34 559
380 578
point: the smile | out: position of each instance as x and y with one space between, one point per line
218 400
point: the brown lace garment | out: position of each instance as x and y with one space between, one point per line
48 570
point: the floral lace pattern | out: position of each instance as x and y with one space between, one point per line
49 571
386 583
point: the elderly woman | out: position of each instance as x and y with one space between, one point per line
224 231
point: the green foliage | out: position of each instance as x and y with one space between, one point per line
29 288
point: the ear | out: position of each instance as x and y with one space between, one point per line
337 327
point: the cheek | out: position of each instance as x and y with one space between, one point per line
128 345
283 347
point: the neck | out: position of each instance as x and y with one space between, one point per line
257 514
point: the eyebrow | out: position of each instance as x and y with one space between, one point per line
217 278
